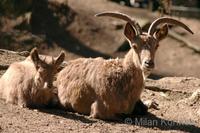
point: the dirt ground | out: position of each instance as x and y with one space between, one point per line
174 109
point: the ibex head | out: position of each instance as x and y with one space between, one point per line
46 68
145 44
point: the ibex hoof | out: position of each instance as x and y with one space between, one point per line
140 108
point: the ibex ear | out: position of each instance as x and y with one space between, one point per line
35 57
161 33
60 59
129 32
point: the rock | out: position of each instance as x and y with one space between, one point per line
35 110
151 104
164 95
53 116
61 122
194 98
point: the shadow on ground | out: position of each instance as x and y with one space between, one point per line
148 121
152 121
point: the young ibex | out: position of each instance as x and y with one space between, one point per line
29 83
105 88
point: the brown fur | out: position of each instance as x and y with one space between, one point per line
29 83
104 88
101 88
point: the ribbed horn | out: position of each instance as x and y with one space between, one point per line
158 21
125 17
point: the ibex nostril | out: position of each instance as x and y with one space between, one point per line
146 62
49 85
149 63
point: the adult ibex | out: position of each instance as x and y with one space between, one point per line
104 88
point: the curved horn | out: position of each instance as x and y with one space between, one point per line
158 21
45 58
53 61
125 17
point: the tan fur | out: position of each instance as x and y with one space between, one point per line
104 88
101 88
29 83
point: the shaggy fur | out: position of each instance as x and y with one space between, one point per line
101 88
29 83
104 88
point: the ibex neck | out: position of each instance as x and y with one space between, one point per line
132 60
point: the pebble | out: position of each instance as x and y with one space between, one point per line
151 104
61 122
52 116
164 95
35 110
195 95
198 112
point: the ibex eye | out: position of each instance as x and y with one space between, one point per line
135 46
